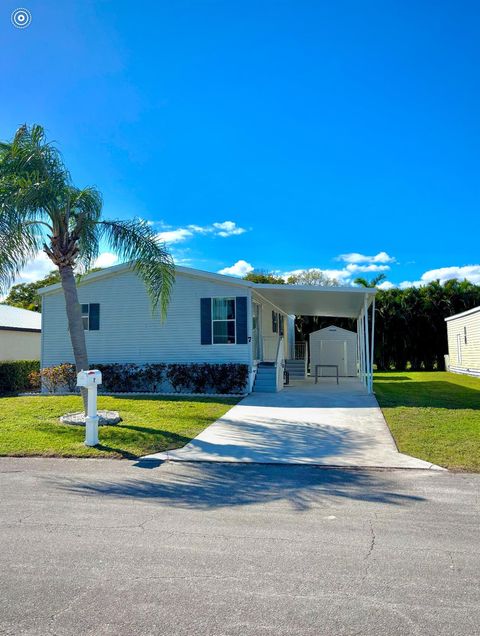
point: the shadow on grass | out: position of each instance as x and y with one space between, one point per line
212 486
437 394
392 378
173 398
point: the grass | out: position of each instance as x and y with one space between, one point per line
433 416
30 425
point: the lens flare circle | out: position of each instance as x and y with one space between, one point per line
21 18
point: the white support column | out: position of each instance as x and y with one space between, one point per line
362 348
367 348
358 348
372 344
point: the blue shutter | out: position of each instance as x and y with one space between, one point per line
94 317
242 322
206 321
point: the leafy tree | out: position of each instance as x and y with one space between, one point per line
41 209
312 277
374 282
259 276
25 295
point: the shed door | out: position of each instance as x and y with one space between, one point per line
333 352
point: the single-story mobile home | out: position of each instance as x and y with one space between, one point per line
211 318
19 333
463 332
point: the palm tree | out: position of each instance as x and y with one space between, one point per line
363 282
40 209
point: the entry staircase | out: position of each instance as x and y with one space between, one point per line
296 368
266 378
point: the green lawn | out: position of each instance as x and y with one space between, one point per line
433 416
30 425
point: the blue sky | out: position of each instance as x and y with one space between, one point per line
280 134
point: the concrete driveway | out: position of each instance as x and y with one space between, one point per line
306 423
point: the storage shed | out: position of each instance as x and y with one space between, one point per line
333 345
463 332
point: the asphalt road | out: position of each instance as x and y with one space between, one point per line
114 547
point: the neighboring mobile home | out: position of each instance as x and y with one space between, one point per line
211 318
19 333
463 332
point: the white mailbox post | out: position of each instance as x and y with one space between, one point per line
90 380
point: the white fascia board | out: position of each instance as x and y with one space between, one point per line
122 267
464 313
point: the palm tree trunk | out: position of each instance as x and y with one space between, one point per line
75 323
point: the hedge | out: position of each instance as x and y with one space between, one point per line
14 375
153 378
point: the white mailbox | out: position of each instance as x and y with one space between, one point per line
90 380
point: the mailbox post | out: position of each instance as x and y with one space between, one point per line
90 380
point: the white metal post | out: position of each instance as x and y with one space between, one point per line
358 348
362 348
90 380
367 351
91 421
372 343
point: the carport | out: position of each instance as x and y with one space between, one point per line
334 302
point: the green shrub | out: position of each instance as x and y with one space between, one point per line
14 375
151 378
203 378
62 376
228 378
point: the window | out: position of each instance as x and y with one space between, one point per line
91 316
223 321
85 316
274 321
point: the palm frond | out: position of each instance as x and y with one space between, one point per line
135 241
19 244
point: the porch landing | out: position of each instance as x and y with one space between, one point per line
306 423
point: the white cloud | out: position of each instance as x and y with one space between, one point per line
469 272
228 228
106 259
175 236
386 285
355 269
355 257
240 268
38 268
181 234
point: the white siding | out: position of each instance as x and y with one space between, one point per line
467 360
128 331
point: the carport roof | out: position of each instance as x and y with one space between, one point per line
305 300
